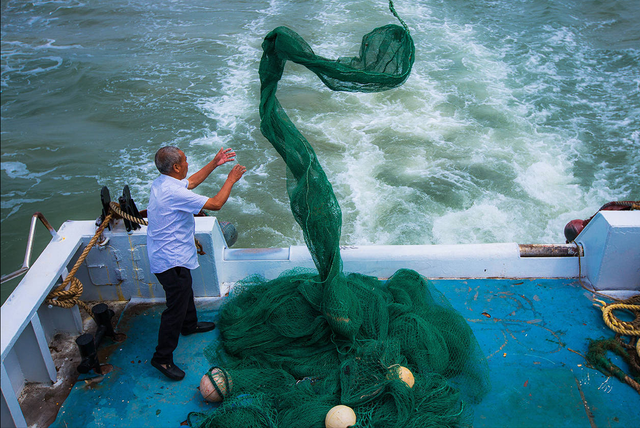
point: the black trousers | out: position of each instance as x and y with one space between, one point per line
180 315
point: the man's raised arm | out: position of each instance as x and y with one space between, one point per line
223 156
219 200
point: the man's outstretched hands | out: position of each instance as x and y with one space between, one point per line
223 156
236 173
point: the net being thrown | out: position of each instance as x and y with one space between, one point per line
394 352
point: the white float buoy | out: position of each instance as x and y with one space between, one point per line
340 416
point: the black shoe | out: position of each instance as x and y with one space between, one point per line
201 327
171 371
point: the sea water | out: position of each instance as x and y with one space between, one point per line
518 115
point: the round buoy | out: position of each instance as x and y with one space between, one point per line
217 390
340 416
573 229
404 374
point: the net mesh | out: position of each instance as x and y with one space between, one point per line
295 346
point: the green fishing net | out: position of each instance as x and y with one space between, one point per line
293 347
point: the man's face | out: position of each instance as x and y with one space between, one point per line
182 167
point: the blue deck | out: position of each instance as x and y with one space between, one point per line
533 332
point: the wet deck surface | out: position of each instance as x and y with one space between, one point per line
533 332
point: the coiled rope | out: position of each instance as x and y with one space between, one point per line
68 298
629 328
598 349
71 297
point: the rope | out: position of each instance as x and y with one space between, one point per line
598 349
633 205
116 209
71 297
626 328
614 323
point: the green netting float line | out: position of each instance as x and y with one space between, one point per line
298 345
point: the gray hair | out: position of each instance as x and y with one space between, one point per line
166 158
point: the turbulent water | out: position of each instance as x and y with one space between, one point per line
518 116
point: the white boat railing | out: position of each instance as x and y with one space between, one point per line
27 254
28 326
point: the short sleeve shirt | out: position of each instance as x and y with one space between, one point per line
171 230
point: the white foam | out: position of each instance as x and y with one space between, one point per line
482 222
16 204
14 169
469 114
246 207
212 140
549 182
17 169
36 66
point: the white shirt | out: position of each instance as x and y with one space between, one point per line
171 230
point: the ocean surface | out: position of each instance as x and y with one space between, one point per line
518 116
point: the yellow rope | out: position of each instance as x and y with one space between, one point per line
71 297
622 327
116 209
628 328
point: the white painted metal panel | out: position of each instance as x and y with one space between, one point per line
55 319
382 261
33 354
611 244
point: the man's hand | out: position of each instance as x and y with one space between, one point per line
236 173
220 199
223 156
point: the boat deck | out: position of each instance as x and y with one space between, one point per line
533 332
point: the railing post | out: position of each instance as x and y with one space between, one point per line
27 254
11 412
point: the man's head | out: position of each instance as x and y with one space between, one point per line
172 161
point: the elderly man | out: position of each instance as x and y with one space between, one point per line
171 247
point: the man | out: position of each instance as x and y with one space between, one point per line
171 245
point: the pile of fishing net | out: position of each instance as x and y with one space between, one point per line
393 351
285 366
